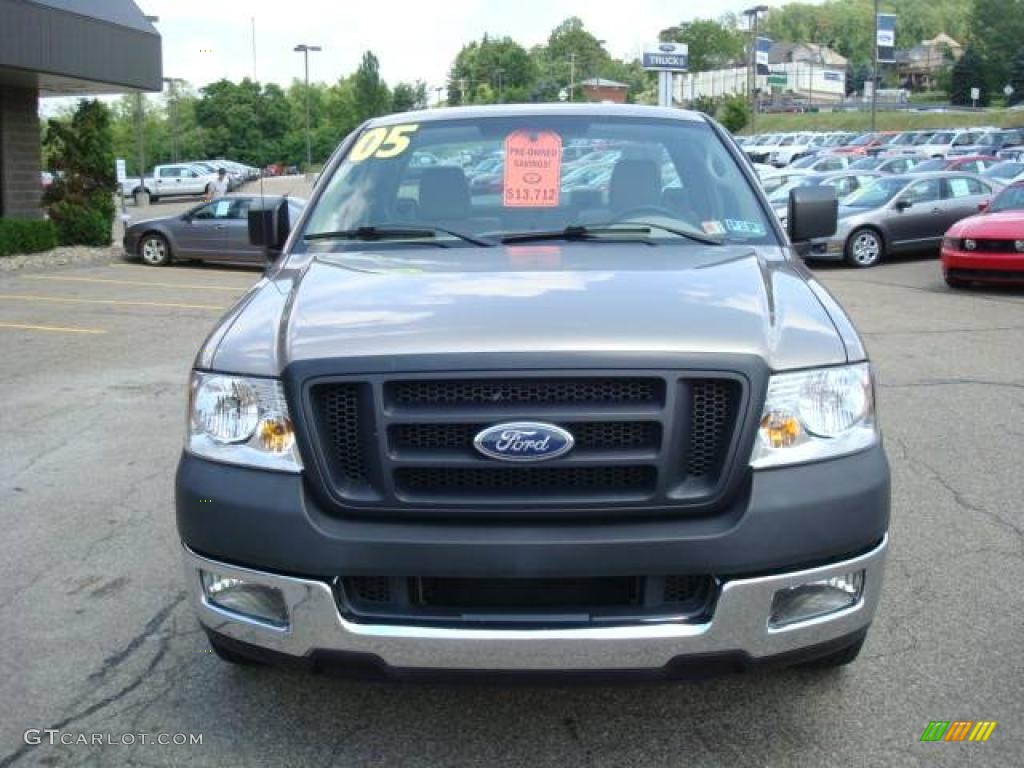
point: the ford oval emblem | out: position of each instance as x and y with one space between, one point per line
532 177
525 441
666 47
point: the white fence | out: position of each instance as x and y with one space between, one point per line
804 81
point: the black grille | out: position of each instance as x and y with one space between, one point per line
681 589
369 589
526 481
997 246
340 413
711 418
510 392
592 436
520 601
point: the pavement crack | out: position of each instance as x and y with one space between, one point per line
13 757
148 630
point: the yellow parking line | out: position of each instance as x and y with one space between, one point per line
52 328
240 272
65 300
61 278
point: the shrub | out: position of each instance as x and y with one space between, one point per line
81 224
26 236
80 200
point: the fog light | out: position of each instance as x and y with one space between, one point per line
816 598
253 601
1019 246
971 245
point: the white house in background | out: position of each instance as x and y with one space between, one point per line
811 71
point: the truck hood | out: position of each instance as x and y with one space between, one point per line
588 297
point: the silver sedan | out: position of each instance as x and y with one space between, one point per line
899 214
214 231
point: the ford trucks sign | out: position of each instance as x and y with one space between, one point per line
667 57
525 441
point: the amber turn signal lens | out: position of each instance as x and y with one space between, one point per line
276 435
781 430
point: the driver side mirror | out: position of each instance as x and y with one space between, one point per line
983 206
813 213
902 205
269 227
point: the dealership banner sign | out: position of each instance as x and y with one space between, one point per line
761 49
886 41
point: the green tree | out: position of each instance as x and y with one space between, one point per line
734 113
80 201
997 30
1017 79
712 44
969 73
370 94
500 64
409 96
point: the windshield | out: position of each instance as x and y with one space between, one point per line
867 164
805 162
876 194
861 141
922 138
669 173
1005 170
1010 199
936 164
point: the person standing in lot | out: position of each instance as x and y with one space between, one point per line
220 184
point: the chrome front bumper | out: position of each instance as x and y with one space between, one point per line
739 625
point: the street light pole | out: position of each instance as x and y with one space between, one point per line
305 51
173 82
874 77
572 74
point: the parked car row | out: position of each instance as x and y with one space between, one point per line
194 177
908 191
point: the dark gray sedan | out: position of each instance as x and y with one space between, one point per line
214 231
901 213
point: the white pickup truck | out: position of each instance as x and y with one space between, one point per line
167 180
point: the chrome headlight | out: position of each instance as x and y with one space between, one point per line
241 420
816 414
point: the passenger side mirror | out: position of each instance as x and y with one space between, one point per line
813 213
902 205
269 227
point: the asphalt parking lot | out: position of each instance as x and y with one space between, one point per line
99 639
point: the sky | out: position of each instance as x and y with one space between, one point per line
205 40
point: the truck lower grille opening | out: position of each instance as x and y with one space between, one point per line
525 601
525 481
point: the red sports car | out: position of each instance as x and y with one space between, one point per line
989 247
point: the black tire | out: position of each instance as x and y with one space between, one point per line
209 190
154 250
137 195
859 250
231 656
955 283
153 198
838 659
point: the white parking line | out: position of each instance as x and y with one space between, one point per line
50 328
112 302
106 281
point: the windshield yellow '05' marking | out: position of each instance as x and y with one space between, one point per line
382 143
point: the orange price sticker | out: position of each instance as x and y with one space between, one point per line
533 169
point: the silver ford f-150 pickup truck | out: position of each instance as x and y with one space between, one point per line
536 425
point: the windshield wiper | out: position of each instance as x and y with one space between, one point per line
395 233
573 232
580 232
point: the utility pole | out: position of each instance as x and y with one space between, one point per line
140 149
874 77
753 16
172 83
305 51
572 74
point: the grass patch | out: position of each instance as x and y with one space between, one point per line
887 121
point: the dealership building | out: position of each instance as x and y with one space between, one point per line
63 48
